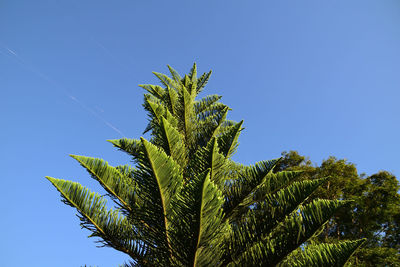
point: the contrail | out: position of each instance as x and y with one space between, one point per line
31 68
12 52
96 115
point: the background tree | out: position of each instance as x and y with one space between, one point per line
186 203
374 213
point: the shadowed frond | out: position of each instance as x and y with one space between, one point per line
130 146
209 158
228 140
322 255
248 179
291 233
205 103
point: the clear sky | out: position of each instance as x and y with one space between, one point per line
320 77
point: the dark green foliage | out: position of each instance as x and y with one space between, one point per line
374 212
186 203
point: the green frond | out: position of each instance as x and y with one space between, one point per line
210 126
209 158
322 255
186 115
172 100
166 173
158 111
155 90
174 143
166 81
210 224
202 81
249 178
118 184
280 204
159 180
200 217
258 222
211 110
274 182
218 120
130 146
174 74
109 225
228 140
186 81
291 233
193 73
205 103
228 123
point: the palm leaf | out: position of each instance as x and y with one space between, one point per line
291 233
160 179
118 184
174 143
323 254
202 81
131 146
175 74
111 226
249 178
228 140
165 80
155 90
193 73
204 103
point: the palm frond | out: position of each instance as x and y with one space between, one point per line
186 116
202 81
118 184
165 177
209 158
174 143
175 74
171 100
205 103
193 73
155 90
228 140
291 233
166 81
109 225
132 147
248 179
322 255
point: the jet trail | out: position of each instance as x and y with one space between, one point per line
34 70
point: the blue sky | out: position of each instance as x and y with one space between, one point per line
320 77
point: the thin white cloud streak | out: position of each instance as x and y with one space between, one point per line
12 52
45 77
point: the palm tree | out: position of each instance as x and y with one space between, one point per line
186 203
